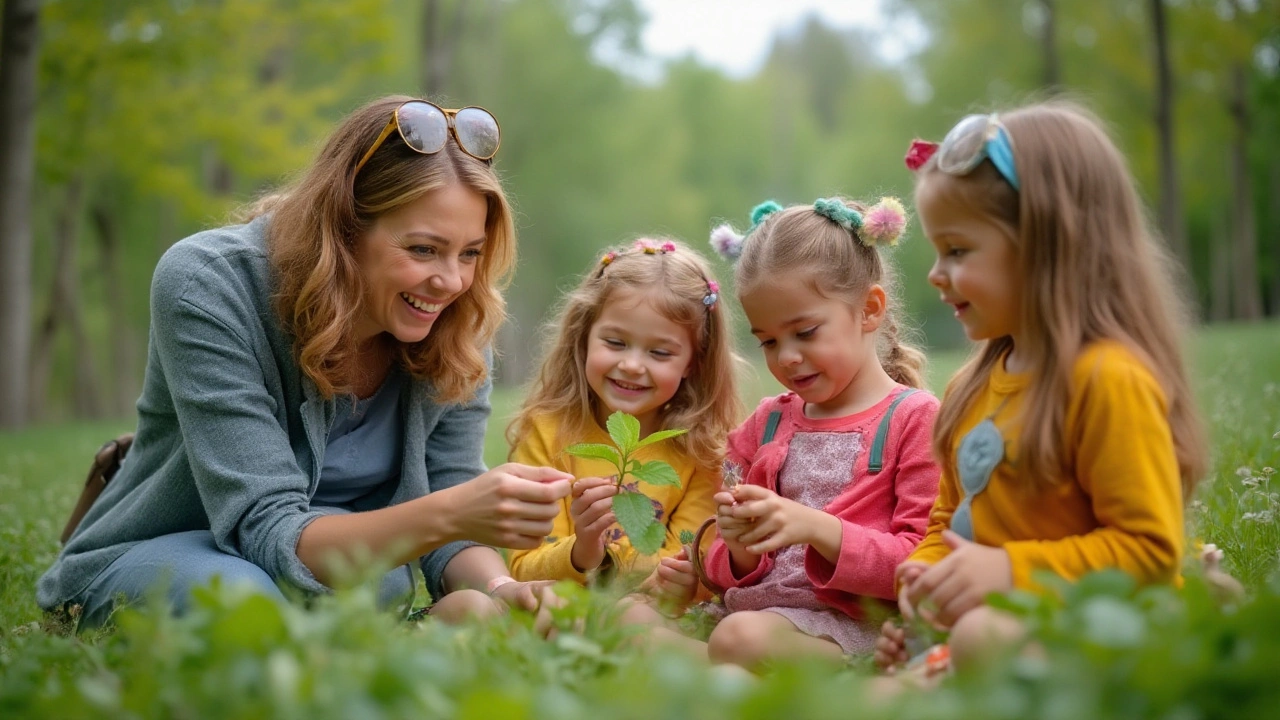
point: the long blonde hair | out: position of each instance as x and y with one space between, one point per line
800 241
676 281
1092 270
314 228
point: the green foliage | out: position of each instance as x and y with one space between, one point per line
1108 650
633 509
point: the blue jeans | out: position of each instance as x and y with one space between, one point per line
188 560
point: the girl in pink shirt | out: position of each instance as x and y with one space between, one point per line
836 475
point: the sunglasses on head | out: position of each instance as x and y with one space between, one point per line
425 127
972 140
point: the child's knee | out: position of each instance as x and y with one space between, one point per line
461 605
742 638
983 633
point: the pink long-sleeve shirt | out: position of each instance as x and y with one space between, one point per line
884 515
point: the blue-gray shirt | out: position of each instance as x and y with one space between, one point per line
231 434
363 449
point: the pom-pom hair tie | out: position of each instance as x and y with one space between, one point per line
884 222
919 153
713 294
727 242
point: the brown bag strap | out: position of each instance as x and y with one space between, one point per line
105 464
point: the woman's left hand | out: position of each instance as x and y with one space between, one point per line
776 521
960 581
536 597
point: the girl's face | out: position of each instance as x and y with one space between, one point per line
976 264
636 358
418 259
814 345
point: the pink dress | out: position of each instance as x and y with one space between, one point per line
806 478
824 464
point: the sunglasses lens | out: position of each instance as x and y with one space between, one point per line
477 132
964 147
423 126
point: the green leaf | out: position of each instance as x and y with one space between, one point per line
595 451
660 436
656 472
686 537
635 514
625 431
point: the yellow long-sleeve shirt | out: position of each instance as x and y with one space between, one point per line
1121 506
682 508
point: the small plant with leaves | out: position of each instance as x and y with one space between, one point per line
633 509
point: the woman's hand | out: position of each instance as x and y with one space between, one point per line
592 514
536 597
510 506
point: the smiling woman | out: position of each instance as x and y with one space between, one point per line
317 388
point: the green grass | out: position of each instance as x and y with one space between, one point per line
1110 651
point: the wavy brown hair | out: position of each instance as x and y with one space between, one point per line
706 403
1093 270
315 226
800 242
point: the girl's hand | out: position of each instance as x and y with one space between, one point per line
510 506
904 575
592 514
731 530
962 580
891 647
672 583
776 521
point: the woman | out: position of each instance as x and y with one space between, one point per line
317 388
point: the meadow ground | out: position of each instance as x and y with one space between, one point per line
1112 651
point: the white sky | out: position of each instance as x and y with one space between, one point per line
735 35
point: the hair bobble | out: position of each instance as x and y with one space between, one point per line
884 222
608 258
713 294
837 212
919 153
728 243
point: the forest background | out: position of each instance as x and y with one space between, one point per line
125 126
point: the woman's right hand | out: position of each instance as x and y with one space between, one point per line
510 506
592 514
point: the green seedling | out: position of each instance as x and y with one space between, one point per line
633 509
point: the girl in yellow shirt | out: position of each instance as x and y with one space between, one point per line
1069 440
644 333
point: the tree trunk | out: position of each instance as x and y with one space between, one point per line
1052 62
1220 270
19 55
64 311
1171 220
1247 293
124 354
1274 245
438 45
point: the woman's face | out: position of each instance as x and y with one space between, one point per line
418 259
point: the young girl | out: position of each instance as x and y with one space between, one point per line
644 333
836 474
1070 439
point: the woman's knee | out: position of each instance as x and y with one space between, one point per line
462 605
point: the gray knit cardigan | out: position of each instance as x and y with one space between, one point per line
231 434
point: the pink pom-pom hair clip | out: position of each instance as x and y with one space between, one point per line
884 222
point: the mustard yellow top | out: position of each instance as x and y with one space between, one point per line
682 508
1120 506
